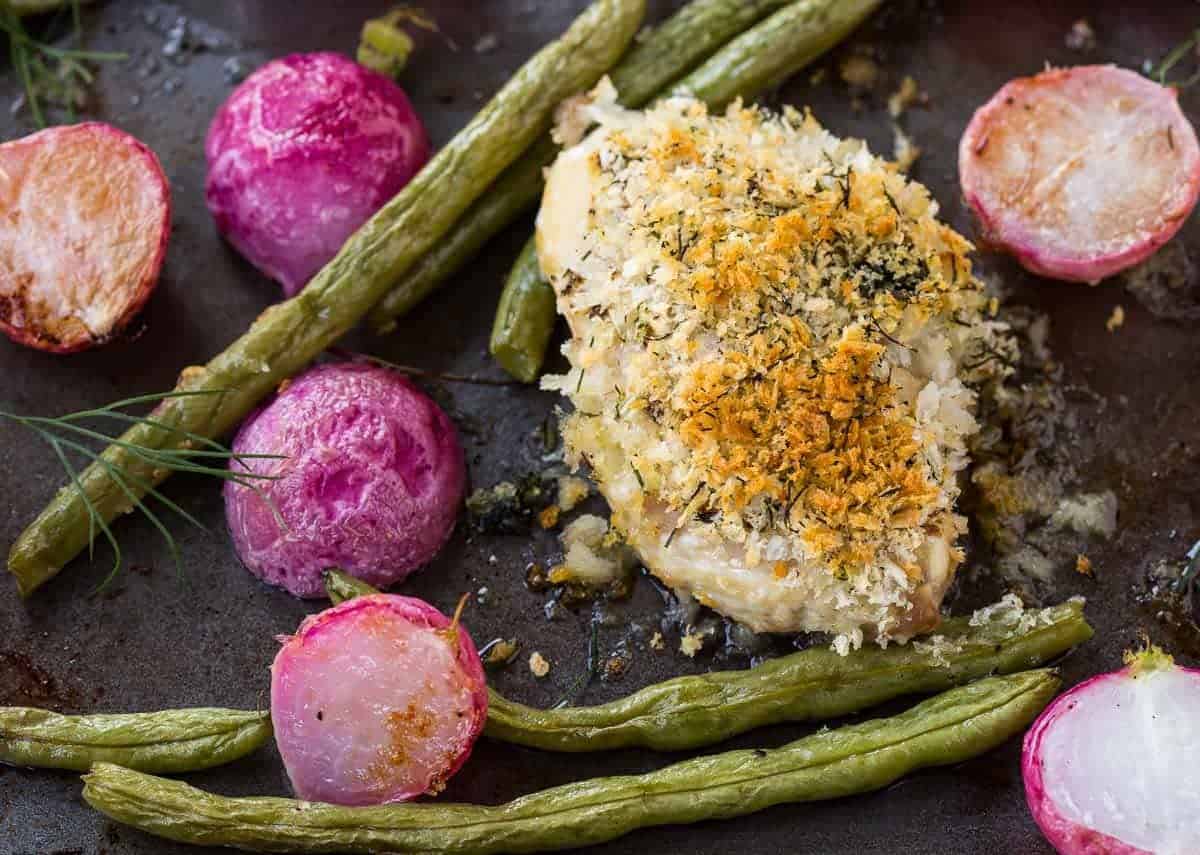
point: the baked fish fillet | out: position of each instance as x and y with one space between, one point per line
771 334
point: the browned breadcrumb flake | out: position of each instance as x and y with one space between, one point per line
548 516
538 665
905 96
1116 319
1083 565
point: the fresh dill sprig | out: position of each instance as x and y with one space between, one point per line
199 455
50 74
1174 57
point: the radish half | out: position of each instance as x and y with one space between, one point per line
378 699
86 216
1080 172
1113 766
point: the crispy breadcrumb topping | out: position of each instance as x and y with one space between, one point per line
780 338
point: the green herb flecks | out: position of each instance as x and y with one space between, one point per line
589 669
49 74
197 454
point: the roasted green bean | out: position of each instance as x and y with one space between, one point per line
760 58
946 729
169 741
524 318
813 684
288 335
655 60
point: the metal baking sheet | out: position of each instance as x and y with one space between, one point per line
206 636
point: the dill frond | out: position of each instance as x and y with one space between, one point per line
199 455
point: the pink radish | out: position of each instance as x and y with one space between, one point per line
1113 766
379 699
370 479
1080 172
87 214
302 153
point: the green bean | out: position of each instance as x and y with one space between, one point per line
169 741
768 54
946 729
814 684
698 710
288 335
524 318
762 57
341 586
656 59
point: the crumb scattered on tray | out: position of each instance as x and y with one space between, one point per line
904 97
657 642
691 643
538 665
904 151
1083 565
501 652
859 71
571 491
1081 36
487 43
1116 320
593 555
548 516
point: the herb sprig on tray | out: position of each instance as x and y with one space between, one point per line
201 456
50 74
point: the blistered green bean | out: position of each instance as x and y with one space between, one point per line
168 741
946 729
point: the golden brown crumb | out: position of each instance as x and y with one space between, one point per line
500 652
1083 565
1116 320
548 517
904 151
656 641
859 71
904 97
538 665
691 644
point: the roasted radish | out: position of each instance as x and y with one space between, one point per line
1080 172
1113 766
376 700
87 213
369 476
301 154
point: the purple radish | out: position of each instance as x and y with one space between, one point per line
301 154
370 479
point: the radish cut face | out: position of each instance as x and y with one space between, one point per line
379 699
86 218
1113 766
1080 172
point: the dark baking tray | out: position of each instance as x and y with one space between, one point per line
156 640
